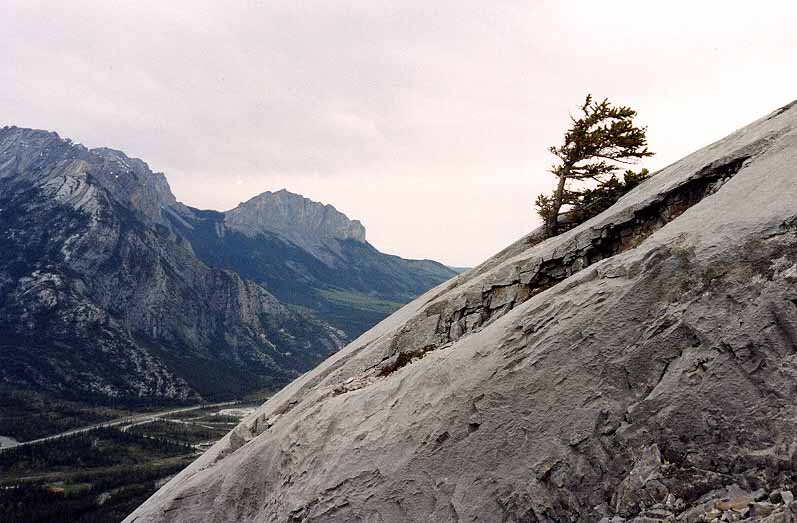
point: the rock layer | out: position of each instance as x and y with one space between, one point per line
639 367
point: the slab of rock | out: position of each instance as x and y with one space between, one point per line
646 355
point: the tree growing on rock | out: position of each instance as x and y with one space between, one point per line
599 142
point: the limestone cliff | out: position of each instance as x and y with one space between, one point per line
301 220
639 367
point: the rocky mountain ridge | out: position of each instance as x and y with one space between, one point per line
112 289
305 222
100 298
639 367
311 256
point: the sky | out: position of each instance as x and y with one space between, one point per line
428 121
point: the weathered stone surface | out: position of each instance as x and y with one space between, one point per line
310 225
643 359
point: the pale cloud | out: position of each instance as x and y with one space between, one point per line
428 121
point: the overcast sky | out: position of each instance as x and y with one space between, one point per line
427 120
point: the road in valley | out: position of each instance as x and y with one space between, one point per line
129 420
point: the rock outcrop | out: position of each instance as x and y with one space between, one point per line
299 219
640 367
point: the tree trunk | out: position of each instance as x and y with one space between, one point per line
556 204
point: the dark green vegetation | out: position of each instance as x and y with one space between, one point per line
102 447
102 475
598 143
196 432
591 202
36 502
98 476
27 415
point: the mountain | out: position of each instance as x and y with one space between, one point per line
311 225
103 296
639 367
311 256
99 298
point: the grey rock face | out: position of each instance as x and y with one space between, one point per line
100 297
306 223
640 367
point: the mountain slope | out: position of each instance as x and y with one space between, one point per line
99 298
640 366
311 256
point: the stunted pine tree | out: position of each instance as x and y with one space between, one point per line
599 142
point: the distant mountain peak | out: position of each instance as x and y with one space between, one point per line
30 153
303 221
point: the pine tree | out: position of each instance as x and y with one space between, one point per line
598 143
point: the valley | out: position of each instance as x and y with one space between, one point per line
101 472
115 297
398 262
135 331
126 423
